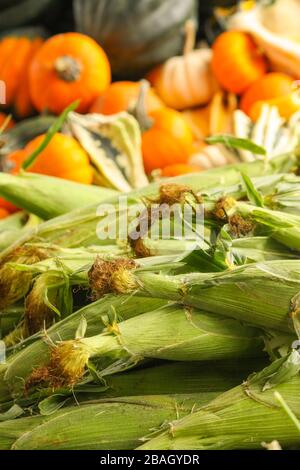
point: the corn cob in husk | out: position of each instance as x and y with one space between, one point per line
177 380
242 418
34 352
171 333
111 424
49 197
238 293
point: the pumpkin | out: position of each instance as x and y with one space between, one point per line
185 81
17 49
237 62
136 35
123 96
271 86
63 157
282 51
168 141
68 67
3 213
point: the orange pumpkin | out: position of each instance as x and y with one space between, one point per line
15 161
237 61
22 103
179 169
273 85
68 67
122 96
63 157
16 54
168 141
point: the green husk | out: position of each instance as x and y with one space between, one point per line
239 293
242 418
171 333
34 352
49 197
110 424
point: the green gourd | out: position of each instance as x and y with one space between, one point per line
136 35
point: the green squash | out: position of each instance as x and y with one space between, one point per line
136 34
18 13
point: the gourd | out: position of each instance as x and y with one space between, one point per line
136 35
186 81
68 67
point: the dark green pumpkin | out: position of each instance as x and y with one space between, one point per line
18 13
136 34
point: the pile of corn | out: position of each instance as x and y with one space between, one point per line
153 343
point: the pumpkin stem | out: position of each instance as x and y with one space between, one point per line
68 68
190 36
139 110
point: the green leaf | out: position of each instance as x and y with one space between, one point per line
81 330
56 127
254 196
236 143
50 405
14 412
288 410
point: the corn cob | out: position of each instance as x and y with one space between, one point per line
34 352
109 424
239 293
49 197
242 418
171 333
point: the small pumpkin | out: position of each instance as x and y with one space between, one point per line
168 141
237 62
17 49
68 67
185 81
63 158
123 96
4 213
136 35
273 85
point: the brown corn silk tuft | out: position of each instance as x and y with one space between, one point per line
222 207
240 227
114 276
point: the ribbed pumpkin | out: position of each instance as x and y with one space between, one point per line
123 96
136 35
17 49
68 67
186 81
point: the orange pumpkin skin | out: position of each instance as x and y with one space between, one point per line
237 62
169 141
273 85
179 169
66 68
121 96
63 158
